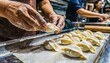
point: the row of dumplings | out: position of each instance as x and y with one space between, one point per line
74 43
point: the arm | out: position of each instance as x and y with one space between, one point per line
46 8
87 13
90 14
78 8
51 15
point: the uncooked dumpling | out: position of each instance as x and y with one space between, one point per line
69 35
51 45
74 46
76 39
99 35
73 32
51 28
86 46
86 33
76 35
93 40
47 45
73 38
90 32
83 35
66 40
77 31
73 52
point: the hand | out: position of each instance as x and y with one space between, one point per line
58 20
104 17
25 17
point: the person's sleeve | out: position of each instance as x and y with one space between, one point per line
75 4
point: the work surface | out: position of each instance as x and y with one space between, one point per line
37 54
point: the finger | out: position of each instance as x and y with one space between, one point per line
61 20
23 12
62 26
29 19
24 25
27 27
36 15
54 20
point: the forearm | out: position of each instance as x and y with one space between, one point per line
47 8
3 5
88 14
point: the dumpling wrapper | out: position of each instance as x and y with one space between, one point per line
100 33
69 35
86 33
98 37
51 28
74 46
65 40
73 52
93 40
47 45
51 45
77 31
76 35
90 32
86 46
73 32
83 35
76 39
73 38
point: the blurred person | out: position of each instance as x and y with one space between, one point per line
97 9
76 7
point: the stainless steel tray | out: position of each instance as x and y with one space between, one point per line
40 55
36 53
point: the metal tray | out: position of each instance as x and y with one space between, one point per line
36 53
40 55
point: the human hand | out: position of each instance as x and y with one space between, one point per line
104 17
25 17
58 20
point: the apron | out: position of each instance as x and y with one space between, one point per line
9 31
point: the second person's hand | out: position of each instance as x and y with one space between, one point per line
104 17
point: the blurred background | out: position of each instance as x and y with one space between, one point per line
61 5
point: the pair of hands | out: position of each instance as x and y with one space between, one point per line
25 17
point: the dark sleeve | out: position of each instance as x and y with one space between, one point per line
75 4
